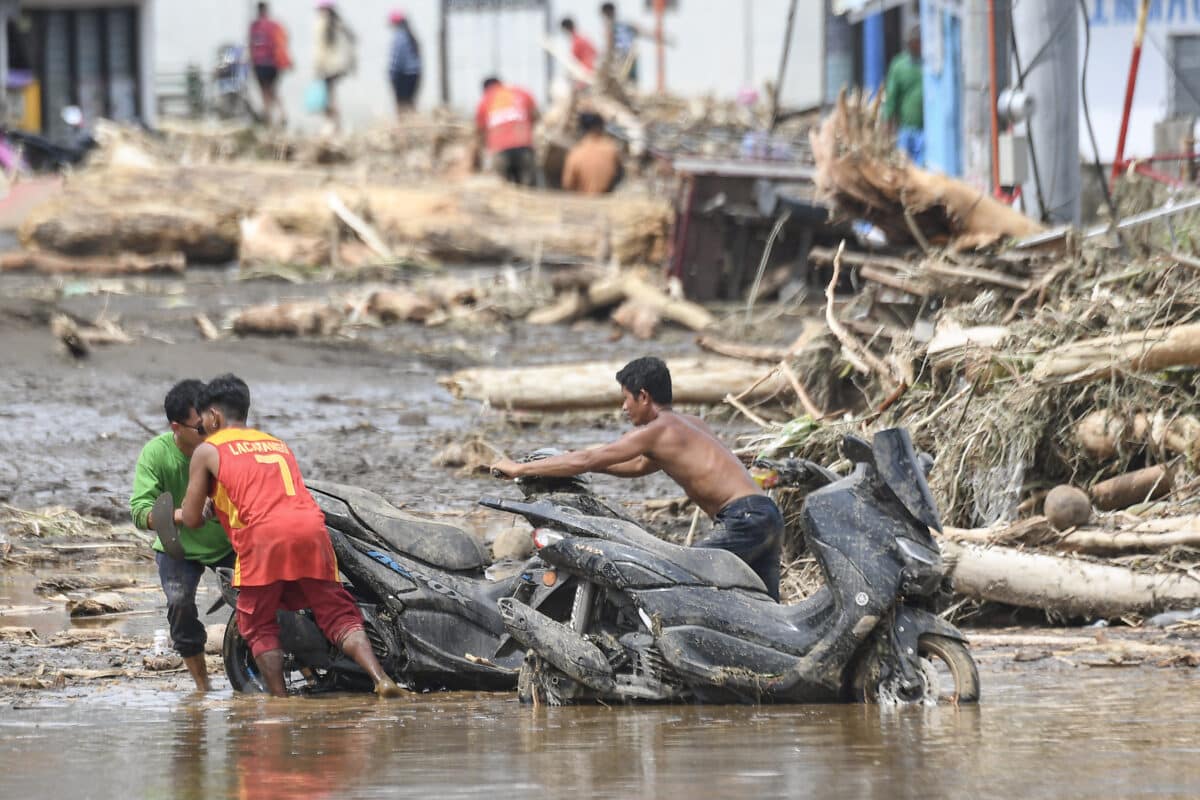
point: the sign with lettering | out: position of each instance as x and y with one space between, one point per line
1125 12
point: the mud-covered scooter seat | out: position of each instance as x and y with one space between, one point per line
350 509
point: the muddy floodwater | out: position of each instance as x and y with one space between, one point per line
1039 733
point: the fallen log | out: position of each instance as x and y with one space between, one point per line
1067 587
401 305
594 386
1132 488
1110 542
638 318
98 605
569 306
288 319
264 242
119 264
1102 434
628 286
746 352
1102 357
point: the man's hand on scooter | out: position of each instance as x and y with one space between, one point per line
505 468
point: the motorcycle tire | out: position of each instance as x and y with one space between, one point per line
952 653
240 668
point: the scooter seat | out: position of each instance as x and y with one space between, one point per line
438 544
656 565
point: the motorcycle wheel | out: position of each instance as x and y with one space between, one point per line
946 663
240 668
243 674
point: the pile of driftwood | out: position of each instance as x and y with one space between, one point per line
631 299
1056 389
120 220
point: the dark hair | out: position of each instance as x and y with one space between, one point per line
229 393
183 397
647 373
568 24
262 9
490 81
608 9
591 122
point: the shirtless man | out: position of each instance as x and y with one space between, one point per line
746 521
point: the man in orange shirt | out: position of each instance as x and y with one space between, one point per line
504 125
594 164
284 556
581 47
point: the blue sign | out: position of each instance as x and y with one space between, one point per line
1125 12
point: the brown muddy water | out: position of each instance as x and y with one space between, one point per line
1095 733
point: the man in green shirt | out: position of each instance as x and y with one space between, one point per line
163 467
904 100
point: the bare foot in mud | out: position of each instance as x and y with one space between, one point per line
388 688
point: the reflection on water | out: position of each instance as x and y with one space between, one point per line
1080 732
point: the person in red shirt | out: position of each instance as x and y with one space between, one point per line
284 556
504 125
269 56
581 47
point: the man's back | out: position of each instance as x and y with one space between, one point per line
505 115
275 525
693 457
592 166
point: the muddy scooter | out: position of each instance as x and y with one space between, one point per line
426 592
653 621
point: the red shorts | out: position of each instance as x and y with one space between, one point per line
331 604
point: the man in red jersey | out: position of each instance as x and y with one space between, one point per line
582 48
504 124
284 556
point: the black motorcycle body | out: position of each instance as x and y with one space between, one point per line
423 587
655 621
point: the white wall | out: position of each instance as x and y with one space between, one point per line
1112 29
710 55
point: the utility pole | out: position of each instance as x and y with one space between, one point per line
1051 32
976 122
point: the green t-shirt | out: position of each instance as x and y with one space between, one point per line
903 94
162 467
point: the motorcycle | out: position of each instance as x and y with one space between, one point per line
231 84
23 153
654 621
426 593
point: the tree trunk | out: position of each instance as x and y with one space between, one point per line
1132 488
1142 351
594 385
1067 587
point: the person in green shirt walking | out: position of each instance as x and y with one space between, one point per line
904 100
163 467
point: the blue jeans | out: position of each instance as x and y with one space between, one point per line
180 579
912 141
751 528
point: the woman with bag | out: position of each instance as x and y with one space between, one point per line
334 59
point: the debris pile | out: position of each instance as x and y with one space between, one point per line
1020 371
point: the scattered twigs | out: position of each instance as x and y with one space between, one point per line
860 357
802 395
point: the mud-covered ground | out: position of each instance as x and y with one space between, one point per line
362 408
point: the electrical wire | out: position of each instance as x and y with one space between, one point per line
1087 114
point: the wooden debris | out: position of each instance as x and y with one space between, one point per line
1141 351
301 318
1068 587
74 582
472 456
1131 488
208 331
568 306
264 242
638 318
117 264
401 305
594 385
860 173
98 605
